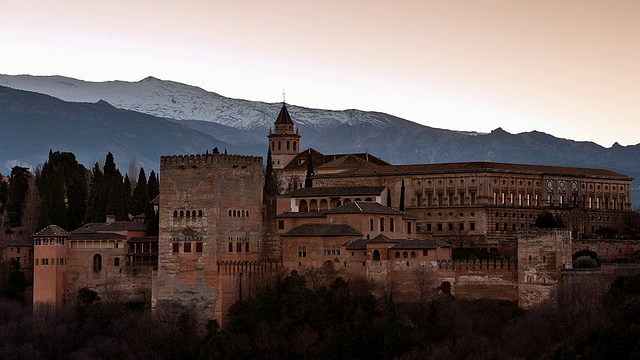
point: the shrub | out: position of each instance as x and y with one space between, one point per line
584 262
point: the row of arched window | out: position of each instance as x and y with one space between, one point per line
189 213
239 244
238 213
288 145
314 205
45 261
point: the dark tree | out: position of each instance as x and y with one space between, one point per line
391 337
18 189
140 198
153 185
402 196
270 183
308 181
4 191
57 209
546 220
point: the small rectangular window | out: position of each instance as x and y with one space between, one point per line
280 224
429 227
116 261
461 226
187 247
302 251
246 247
36 261
391 224
472 226
370 224
381 224
176 247
461 198
238 247
199 246
450 226
440 227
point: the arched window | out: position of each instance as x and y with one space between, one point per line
313 205
199 213
234 213
347 201
397 254
247 213
324 205
230 247
97 262
273 145
229 212
175 213
294 146
376 255
188 213
413 254
405 254
193 213
181 213
303 206
328 264
368 199
288 144
279 145
242 213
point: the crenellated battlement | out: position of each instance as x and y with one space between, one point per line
205 159
538 233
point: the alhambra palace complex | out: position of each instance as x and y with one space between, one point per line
401 226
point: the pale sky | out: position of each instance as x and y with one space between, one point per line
568 68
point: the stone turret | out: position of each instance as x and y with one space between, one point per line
284 142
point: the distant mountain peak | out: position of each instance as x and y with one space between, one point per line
149 78
103 103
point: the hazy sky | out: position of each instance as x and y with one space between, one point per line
568 68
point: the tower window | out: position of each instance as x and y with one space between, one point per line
294 146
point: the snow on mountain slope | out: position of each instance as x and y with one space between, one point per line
174 100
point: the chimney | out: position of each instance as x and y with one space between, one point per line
111 219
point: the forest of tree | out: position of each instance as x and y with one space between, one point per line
63 192
289 318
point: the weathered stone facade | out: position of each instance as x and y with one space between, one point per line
210 227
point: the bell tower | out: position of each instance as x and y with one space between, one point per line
284 143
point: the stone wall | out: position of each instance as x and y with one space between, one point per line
608 250
210 212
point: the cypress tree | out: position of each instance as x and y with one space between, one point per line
140 197
57 209
17 193
153 185
109 166
93 206
391 337
308 181
402 196
152 220
4 191
270 185
43 217
127 192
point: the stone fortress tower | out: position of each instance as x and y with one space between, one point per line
210 231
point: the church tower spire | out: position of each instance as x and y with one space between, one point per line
284 141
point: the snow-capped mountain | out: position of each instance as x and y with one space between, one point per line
173 100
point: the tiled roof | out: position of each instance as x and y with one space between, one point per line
302 214
356 245
381 239
319 159
52 230
476 167
323 230
18 240
283 116
96 236
337 191
419 244
143 239
110 227
364 207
